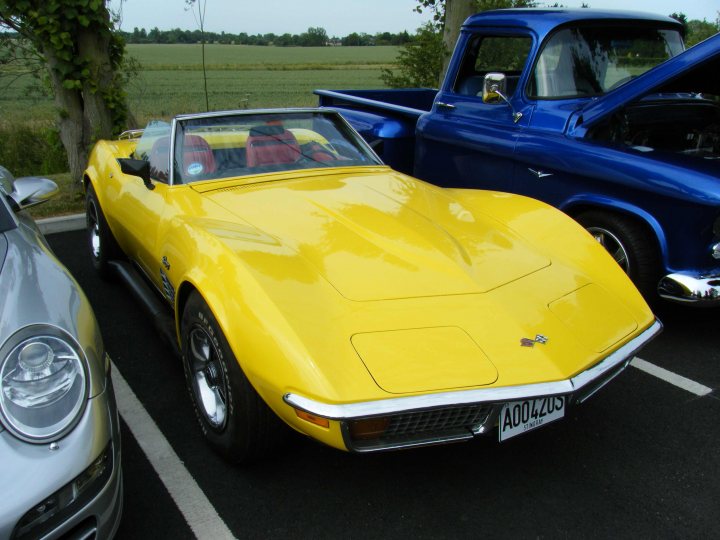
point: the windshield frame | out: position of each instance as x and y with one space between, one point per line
175 176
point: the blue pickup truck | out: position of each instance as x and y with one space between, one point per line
602 114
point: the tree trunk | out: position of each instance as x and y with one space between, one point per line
84 113
72 123
92 105
93 47
456 11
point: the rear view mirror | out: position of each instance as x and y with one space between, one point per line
137 167
32 190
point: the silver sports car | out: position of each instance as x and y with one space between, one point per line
60 473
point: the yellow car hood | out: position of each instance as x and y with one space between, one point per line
428 290
381 236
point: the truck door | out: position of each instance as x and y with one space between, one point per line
468 142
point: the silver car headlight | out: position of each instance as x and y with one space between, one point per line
43 383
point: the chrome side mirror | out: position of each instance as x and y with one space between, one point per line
32 190
494 90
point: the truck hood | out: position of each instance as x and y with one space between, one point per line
382 235
694 70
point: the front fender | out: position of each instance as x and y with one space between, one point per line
224 265
587 201
555 233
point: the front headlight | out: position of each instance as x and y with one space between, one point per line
43 383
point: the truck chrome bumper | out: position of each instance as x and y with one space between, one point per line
688 288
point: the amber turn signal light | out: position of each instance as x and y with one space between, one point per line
317 420
372 428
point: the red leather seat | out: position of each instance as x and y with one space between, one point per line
271 144
198 158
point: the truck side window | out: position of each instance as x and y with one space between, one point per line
499 54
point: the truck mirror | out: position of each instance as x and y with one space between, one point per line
494 90
494 87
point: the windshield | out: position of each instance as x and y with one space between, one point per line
213 146
154 147
589 61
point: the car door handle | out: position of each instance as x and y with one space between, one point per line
444 105
539 173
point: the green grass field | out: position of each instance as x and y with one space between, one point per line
249 57
170 80
164 93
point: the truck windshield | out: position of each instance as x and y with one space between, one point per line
589 61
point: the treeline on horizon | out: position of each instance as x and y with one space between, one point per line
314 37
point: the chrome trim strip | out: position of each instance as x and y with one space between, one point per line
687 288
246 112
131 134
411 444
350 411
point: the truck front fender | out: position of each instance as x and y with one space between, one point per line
588 201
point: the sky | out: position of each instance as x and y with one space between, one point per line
340 17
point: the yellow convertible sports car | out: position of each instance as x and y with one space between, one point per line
302 279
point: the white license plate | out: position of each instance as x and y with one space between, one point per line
520 416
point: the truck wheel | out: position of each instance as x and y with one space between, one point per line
629 244
235 421
102 243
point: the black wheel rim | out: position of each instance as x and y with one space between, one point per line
613 245
207 378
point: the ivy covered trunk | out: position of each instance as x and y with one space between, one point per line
83 58
84 112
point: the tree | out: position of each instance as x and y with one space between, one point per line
456 11
314 37
420 61
84 60
698 31
448 16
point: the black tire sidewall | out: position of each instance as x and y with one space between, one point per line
643 259
236 440
100 262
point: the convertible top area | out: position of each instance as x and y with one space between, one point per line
223 145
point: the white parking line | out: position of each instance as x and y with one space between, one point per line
673 378
189 498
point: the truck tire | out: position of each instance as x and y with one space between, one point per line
235 421
629 243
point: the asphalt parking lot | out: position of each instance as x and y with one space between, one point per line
640 459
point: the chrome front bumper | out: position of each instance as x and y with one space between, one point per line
691 289
576 389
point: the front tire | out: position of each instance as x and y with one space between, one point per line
102 243
629 244
235 421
